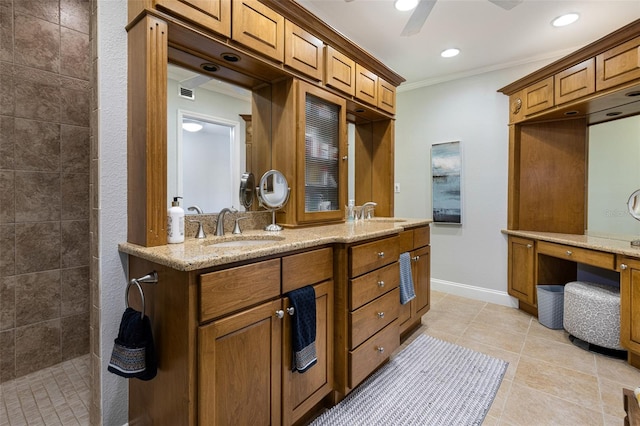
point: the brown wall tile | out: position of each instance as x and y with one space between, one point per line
7 197
74 149
37 247
39 147
74 14
75 245
37 347
6 31
37 297
7 95
37 196
7 303
7 139
7 355
74 293
37 100
74 61
43 9
74 107
75 196
75 335
36 43
7 250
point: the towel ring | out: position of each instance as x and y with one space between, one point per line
150 278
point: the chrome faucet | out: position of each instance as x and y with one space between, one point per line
198 210
220 221
365 212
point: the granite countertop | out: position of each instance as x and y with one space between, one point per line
618 244
196 254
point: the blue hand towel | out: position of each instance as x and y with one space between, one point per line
303 328
407 291
133 354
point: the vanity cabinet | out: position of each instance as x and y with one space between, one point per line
521 272
417 243
309 147
214 15
629 269
259 28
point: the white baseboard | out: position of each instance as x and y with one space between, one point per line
473 292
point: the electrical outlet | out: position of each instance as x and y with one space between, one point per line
396 188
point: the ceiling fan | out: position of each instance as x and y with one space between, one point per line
423 9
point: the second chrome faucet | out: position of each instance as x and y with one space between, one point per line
220 220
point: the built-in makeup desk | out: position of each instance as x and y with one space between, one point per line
552 258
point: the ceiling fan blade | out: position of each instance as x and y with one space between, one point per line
506 4
418 18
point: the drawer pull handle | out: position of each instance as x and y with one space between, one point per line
529 245
415 258
380 349
380 315
381 254
380 283
569 252
623 266
291 310
280 313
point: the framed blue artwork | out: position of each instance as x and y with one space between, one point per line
446 170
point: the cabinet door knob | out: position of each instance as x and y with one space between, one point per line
623 266
380 283
280 313
380 315
291 310
345 157
529 245
569 252
381 254
380 349
415 258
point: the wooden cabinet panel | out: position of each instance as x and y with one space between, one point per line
386 96
577 254
229 290
211 14
367 287
421 269
340 71
259 28
618 65
521 269
372 353
370 318
303 51
366 85
538 97
516 110
629 269
306 268
421 236
300 392
239 360
575 82
369 256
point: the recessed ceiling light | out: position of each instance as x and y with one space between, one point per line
450 53
191 127
565 20
404 5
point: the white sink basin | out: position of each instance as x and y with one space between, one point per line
243 242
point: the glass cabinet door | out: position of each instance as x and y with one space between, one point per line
324 127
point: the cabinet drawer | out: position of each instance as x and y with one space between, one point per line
307 268
372 353
421 237
577 254
575 82
538 97
370 256
258 27
405 241
303 51
618 65
366 85
366 321
374 284
229 290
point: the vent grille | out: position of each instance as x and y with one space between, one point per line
187 93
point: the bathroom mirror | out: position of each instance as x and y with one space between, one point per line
613 174
273 193
205 162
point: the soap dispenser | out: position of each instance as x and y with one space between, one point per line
175 223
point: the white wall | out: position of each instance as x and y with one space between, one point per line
112 136
470 259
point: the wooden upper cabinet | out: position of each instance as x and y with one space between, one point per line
211 14
618 65
340 71
366 85
303 51
386 96
538 97
259 28
575 82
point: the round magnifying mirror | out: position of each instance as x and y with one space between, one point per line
273 193
634 204
247 189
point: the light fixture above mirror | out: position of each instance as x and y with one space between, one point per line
191 126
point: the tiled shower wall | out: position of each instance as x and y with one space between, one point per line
44 183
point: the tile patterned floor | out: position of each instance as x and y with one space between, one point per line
58 395
549 380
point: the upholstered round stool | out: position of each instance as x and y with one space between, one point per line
592 313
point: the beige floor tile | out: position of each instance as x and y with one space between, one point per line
539 330
611 396
618 371
495 314
496 336
561 354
